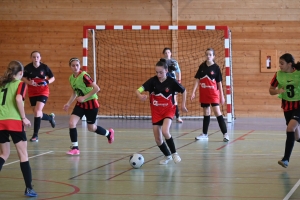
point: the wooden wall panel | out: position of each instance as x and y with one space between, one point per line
55 29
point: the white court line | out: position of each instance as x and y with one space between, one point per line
292 191
28 158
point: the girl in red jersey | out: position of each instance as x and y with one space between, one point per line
85 92
162 90
13 120
285 83
38 76
209 78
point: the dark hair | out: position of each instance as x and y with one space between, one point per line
13 68
73 59
289 58
162 63
165 49
35 52
210 49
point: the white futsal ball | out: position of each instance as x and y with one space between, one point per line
136 160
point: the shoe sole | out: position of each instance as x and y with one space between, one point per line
201 138
282 164
225 140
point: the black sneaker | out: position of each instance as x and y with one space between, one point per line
30 192
51 120
34 139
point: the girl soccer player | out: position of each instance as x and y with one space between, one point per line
173 72
13 120
209 78
38 76
162 90
286 84
85 92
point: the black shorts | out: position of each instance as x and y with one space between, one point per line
15 136
292 114
41 98
90 114
205 105
160 123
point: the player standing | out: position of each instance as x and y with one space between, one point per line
209 78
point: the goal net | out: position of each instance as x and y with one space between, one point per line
122 58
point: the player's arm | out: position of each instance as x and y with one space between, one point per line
183 107
195 88
20 103
95 89
178 72
139 94
71 99
51 80
222 99
274 90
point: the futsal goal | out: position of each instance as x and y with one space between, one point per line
121 58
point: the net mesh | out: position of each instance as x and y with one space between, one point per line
125 59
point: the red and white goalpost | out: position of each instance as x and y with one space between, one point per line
121 58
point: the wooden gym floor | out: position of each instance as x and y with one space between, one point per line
244 168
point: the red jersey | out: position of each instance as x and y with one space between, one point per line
208 77
38 75
162 97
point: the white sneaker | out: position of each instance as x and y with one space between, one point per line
179 120
165 160
202 136
176 158
225 137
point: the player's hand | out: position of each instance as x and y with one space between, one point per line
280 90
80 99
33 83
222 100
184 109
26 122
143 97
193 96
66 107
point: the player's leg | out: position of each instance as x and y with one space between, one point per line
157 132
73 134
50 117
206 121
297 134
20 142
91 116
292 125
169 140
221 121
4 152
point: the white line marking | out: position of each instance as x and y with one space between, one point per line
28 158
292 191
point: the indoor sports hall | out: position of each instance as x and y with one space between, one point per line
118 44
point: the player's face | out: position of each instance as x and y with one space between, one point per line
75 66
209 55
19 75
161 72
168 54
284 66
36 58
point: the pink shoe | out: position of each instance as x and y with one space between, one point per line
73 152
112 136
